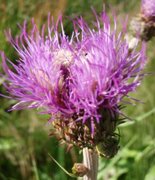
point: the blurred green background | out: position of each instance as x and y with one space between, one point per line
24 139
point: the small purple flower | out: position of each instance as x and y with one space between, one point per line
148 9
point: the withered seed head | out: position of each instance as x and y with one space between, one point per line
142 27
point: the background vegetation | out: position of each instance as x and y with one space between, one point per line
24 140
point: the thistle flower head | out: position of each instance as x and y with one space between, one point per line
81 81
148 9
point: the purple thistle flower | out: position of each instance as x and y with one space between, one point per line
148 9
80 81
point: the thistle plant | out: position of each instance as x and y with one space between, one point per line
80 81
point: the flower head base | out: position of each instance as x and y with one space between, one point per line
79 81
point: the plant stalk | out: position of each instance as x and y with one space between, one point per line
90 160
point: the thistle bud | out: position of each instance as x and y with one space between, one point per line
79 169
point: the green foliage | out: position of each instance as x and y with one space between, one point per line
24 140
